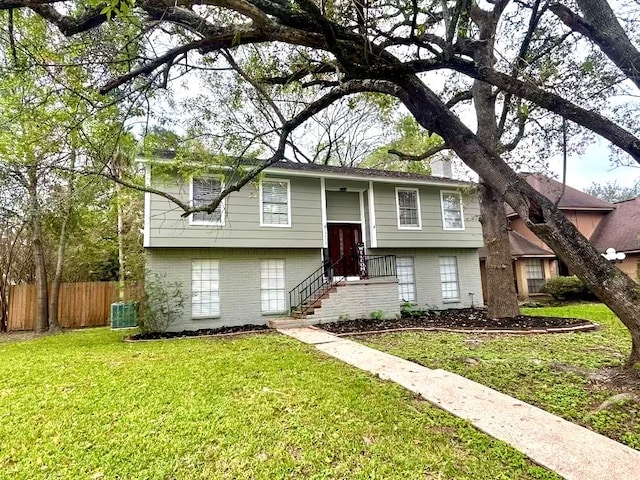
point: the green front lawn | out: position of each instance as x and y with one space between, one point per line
570 375
86 405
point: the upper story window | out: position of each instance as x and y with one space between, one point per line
275 203
203 191
452 218
408 205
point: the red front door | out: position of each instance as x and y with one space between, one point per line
343 244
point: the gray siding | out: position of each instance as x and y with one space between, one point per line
239 279
427 275
242 219
343 206
432 235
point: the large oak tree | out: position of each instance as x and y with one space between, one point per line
334 49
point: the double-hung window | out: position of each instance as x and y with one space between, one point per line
275 203
205 288
408 208
406 279
452 218
272 286
535 274
203 191
449 278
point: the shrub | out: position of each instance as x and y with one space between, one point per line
162 305
567 288
377 315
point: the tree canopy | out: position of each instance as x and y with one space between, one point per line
275 64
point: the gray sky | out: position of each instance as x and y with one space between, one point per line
594 166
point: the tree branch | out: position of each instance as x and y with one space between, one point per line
602 28
407 157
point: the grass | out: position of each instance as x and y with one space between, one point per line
570 375
87 405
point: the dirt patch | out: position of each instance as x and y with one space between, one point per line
458 319
7 337
203 332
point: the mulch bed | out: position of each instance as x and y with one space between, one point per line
203 332
460 319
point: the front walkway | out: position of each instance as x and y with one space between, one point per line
571 451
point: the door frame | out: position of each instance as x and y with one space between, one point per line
352 263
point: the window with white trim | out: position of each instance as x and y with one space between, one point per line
272 289
449 278
405 270
452 218
408 205
275 203
535 274
203 191
205 288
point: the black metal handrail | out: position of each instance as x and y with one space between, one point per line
314 286
303 296
380 266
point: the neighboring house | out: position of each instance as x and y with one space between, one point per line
606 225
362 240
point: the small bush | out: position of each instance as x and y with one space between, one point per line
377 315
162 305
567 288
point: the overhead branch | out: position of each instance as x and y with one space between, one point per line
226 38
602 28
300 74
10 4
407 157
459 97
70 25
527 90
251 81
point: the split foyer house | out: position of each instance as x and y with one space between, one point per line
606 225
324 242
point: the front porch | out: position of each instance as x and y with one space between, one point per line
354 286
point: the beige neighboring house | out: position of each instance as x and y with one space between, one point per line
606 225
324 242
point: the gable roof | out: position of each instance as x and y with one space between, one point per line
522 247
619 229
570 199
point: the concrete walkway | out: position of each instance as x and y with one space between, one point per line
571 451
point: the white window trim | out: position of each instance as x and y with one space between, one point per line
283 225
415 290
456 299
408 227
442 194
222 205
207 316
274 312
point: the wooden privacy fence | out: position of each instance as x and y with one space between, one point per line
83 304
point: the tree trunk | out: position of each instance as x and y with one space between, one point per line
42 293
613 287
54 323
121 266
501 298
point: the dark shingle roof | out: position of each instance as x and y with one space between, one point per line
521 247
164 155
619 229
365 172
570 199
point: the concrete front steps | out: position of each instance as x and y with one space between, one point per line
347 300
